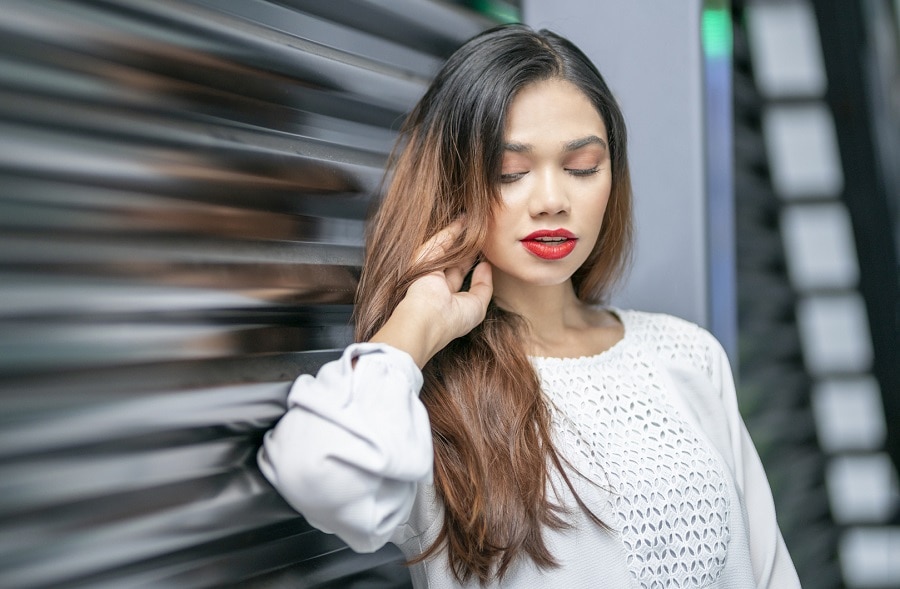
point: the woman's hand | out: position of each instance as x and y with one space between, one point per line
435 311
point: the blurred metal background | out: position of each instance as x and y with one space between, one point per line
816 137
183 185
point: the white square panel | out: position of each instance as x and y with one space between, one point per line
870 557
802 150
785 49
861 489
849 414
819 245
834 334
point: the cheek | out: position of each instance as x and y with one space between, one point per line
502 236
601 197
595 209
594 200
494 229
494 237
500 218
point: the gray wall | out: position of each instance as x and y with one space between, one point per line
650 54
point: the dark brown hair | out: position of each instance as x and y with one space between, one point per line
490 421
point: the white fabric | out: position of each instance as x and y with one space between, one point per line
670 498
652 425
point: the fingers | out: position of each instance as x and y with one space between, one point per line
482 286
455 276
440 242
473 303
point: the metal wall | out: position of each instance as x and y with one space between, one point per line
183 185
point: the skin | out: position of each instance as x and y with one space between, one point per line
556 174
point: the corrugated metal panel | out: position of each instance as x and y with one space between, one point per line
182 193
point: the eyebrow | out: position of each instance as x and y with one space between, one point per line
573 145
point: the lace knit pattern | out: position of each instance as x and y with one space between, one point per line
668 494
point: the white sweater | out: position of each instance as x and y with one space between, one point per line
652 424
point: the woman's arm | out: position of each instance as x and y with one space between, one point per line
772 565
356 441
434 310
353 445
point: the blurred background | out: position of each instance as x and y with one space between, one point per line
183 189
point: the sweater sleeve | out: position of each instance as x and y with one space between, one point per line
772 565
353 446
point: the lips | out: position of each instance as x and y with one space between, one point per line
550 244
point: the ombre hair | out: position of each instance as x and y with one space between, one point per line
490 422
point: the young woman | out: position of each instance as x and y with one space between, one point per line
498 423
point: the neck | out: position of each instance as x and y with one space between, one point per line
551 311
560 325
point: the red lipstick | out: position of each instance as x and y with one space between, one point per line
550 245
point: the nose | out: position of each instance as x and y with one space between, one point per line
549 196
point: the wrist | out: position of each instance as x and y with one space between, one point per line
408 329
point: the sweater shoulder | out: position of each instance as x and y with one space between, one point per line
675 341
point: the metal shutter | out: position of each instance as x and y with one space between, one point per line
182 192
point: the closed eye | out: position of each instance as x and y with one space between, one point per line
583 171
511 177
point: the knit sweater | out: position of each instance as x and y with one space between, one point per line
650 429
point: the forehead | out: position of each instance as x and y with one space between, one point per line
551 111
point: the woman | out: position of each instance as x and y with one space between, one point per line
499 424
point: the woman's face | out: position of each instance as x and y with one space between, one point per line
555 183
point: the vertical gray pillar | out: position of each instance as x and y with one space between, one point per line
651 54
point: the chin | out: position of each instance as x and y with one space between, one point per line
543 279
531 271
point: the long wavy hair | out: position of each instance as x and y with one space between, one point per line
493 447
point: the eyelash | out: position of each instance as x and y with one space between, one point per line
507 178
578 173
585 171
